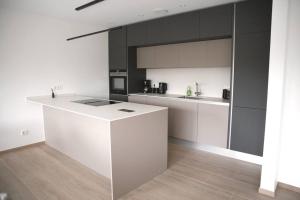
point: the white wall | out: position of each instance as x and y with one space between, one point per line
275 97
212 80
289 168
34 56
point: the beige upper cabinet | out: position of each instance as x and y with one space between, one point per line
212 53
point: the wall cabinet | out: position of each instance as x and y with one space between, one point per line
213 124
216 22
192 26
117 49
247 131
212 53
137 34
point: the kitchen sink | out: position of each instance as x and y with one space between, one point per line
189 97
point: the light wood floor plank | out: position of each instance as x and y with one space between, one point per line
42 173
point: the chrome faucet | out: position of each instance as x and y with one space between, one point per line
198 92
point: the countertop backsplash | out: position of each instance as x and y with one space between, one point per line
211 80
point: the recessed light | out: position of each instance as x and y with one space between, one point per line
182 5
160 11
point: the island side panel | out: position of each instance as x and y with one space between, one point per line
82 138
139 147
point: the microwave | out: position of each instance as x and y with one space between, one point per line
118 82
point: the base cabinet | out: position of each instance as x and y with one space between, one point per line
183 120
213 125
137 99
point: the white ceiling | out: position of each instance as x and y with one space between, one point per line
109 13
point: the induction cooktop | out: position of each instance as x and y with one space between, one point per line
96 102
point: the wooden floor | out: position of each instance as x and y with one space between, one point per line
40 173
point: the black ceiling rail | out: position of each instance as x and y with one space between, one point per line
93 33
88 5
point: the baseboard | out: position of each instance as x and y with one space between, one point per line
289 187
22 147
266 192
219 151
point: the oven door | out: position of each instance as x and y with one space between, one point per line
118 85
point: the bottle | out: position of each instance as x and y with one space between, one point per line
189 91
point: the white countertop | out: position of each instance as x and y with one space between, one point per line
207 100
108 112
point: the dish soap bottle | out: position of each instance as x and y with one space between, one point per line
189 91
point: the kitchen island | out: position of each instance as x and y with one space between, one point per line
124 142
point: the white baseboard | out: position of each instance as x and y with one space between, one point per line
220 151
266 192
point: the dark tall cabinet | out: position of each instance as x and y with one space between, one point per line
117 49
250 81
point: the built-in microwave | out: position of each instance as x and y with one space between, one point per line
118 82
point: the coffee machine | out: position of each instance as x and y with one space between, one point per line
162 88
147 86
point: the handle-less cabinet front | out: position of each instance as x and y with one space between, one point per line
213 124
183 120
251 70
247 131
216 22
137 99
117 49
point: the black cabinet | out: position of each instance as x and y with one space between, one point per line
252 48
182 28
216 22
211 23
117 49
253 16
247 131
137 34
251 70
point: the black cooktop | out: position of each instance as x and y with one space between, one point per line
96 102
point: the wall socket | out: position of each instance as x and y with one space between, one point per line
24 132
58 87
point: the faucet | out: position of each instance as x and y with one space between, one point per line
198 92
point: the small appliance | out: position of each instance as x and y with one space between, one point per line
162 88
147 86
226 94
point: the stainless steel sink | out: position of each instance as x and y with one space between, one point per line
189 97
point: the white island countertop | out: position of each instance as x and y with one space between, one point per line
108 112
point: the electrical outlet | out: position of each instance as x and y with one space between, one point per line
24 132
58 87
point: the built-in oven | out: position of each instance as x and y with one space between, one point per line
118 82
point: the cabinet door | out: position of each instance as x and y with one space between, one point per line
137 99
216 22
251 70
117 49
213 124
136 34
182 27
247 131
253 16
183 120
156 31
